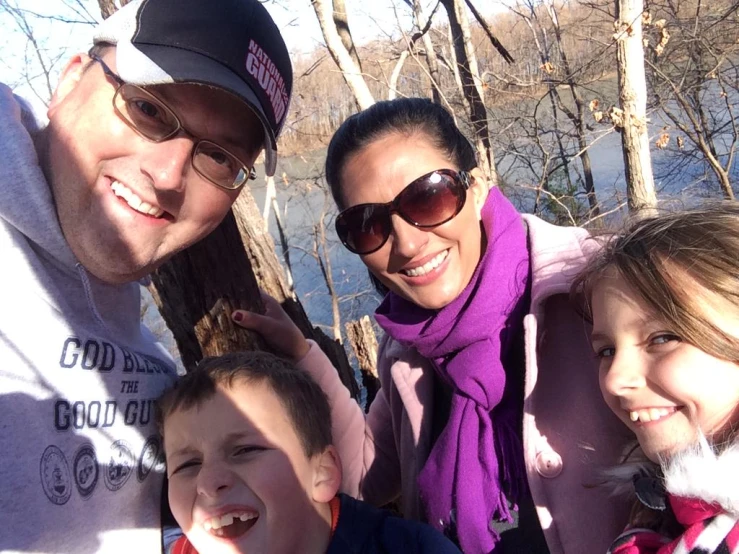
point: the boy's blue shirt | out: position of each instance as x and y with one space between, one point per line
364 529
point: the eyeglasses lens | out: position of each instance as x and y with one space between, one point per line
147 115
214 163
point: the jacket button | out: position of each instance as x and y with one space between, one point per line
548 464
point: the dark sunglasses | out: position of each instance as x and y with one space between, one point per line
430 200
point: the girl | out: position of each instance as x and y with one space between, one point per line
664 302
484 425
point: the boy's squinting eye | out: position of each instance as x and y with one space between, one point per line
244 450
185 465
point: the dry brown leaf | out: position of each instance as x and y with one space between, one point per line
547 68
616 116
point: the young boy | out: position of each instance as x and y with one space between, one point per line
252 469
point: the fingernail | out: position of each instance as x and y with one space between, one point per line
237 316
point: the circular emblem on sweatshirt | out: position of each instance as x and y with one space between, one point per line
86 470
55 477
150 458
120 466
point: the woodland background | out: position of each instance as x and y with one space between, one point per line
582 111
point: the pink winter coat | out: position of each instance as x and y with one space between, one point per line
568 431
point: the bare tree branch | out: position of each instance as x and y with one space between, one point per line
485 27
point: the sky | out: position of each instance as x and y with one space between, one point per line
295 18
368 20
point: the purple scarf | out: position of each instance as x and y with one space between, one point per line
469 342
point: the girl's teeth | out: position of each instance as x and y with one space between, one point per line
648 415
428 266
121 191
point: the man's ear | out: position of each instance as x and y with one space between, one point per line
68 80
327 475
479 190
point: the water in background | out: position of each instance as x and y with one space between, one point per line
302 201
677 182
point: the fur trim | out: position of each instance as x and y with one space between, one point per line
620 479
700 472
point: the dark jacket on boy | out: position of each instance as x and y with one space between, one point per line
364 529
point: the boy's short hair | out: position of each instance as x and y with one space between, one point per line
304 401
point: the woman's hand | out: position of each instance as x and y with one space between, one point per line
275 327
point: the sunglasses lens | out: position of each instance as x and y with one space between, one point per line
363 229
428 201
432 200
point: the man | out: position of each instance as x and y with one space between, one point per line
150 138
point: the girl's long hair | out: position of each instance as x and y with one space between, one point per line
685 268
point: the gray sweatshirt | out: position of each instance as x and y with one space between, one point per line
81 465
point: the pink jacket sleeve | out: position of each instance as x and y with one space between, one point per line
365 443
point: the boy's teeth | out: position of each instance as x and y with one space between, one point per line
650 414
121 191
428 266
218 522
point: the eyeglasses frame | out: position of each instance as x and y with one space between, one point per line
249 172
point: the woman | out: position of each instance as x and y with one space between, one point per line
486 401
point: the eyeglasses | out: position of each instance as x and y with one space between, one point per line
151 118
429 201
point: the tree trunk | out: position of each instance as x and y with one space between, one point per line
349 70
466 62
632 89
197 290
199 287
579 119
432 60
361 336
108 7
323 258
392 92
341 20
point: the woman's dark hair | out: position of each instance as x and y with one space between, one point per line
406 116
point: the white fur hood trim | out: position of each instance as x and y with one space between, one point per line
700 473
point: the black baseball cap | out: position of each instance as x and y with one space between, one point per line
233 45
